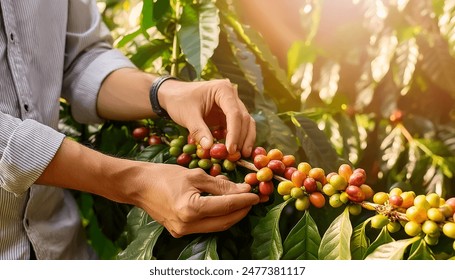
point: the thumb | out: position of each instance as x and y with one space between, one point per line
201 133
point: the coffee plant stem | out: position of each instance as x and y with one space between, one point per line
175 45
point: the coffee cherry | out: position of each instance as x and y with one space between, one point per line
154 140
430 228
258 151
219 151
284 187
219 133
367 190
317 199
184 159
215 170
251 179
379 221
194 164
334 200
177 142
416 214
288 160
297 178
260 161
328 189
449 230
357 179
451 203
435 215
304 167
202 153
408 199
175 151
140 133
317 173
393 227
288 171
189 148
433 199
395 200
228 165
412 228
344 197
355 209
446 210
297 193
310 185
355 193
266 188
264 174
421 201
234 157
275 154
277 166
380 198
302 204
345 170
205 163
338 182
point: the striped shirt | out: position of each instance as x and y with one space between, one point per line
48 49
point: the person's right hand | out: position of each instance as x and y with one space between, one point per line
176 197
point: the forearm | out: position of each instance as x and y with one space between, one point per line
79 168
124 95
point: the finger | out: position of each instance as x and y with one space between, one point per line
200 132
219 186
221 205
221 223
249 139
246 119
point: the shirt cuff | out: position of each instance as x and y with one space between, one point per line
30 149
84 108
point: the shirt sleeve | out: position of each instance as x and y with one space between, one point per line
89 59
26 148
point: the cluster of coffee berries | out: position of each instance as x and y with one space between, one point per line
347 186
425 215
268 164
143 133
215 160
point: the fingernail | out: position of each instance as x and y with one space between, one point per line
249 150
205 143
234 148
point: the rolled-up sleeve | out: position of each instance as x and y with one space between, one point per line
89 59
26 148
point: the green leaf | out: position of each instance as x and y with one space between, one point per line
245 59
314 142
392 250
147 53
128 38
302 242
199 33
201 248
145 232
147 14
266 235
153 153
407 54
421 252
383 238
359 241
335 244
300 52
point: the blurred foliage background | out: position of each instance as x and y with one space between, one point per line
370 82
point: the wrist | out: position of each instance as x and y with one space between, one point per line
156 100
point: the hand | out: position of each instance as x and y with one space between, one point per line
173 196
199 106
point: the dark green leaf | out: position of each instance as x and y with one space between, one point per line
302 242
153 153
147 53
392 250
201 248
145 232
199 33
266 235
335 244
147 14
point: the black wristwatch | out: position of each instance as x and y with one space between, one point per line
156 107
